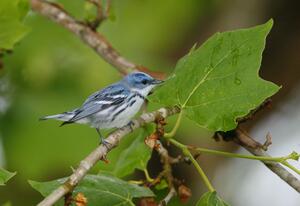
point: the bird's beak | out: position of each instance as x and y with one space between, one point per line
156 81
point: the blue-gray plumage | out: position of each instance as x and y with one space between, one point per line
113 106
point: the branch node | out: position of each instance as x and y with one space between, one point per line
268 142
184 193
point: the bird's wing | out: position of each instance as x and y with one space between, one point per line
113 95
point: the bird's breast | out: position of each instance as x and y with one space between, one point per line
122 115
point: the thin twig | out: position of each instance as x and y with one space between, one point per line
167 171
165 158
107 8
101 151
99 17
90 37
169 196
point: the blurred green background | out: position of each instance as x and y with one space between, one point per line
51 71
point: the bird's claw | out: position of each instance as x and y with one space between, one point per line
104 159
104 142
131 124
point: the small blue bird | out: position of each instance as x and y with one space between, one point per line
113 106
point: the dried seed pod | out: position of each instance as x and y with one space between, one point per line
184 193
147 202
80 200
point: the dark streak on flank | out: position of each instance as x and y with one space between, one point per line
121 110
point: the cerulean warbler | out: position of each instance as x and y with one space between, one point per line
113 106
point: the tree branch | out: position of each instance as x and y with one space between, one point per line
244 140
90 37
101 151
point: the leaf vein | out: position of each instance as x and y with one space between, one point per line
204 79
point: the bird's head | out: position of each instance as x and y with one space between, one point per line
141 82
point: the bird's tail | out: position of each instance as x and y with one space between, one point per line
66 116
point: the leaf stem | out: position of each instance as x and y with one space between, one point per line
285 163
136 182
281 160
243 156
175 128
200 170
148 178
187 153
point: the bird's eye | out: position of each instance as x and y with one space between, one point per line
144 81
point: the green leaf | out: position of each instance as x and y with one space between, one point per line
136 156
5 176
23 8
218 82
90 11
101 189
211 199
11 27
162 185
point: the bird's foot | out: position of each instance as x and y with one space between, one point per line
104 159
105 143
131 124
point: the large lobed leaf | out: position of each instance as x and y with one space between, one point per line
219 82
211 199
5 176
102 189
11 27
136 156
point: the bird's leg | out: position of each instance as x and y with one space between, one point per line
102 140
